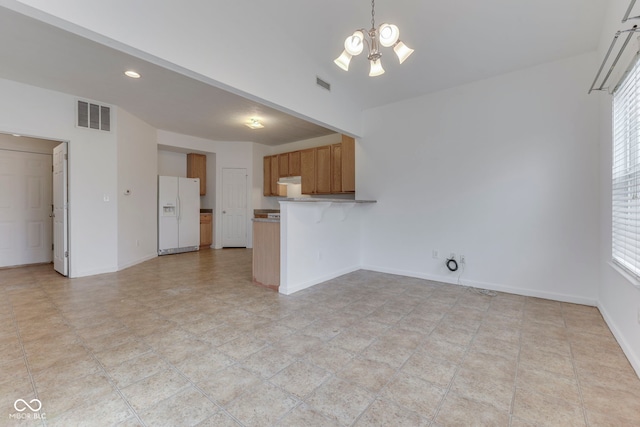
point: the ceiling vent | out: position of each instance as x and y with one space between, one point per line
93 116
323 84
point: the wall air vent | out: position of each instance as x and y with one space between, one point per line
323 84
93 116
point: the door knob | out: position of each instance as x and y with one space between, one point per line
224 212
52 215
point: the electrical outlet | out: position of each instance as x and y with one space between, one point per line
434 254
462 260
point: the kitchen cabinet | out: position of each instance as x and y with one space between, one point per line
329 169
308 170
266 254
336 168
283 165
323 170
197 168
348 164
294 163
275 175
206 230
266 176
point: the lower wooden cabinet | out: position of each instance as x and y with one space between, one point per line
206 230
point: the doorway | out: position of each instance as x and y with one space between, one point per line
27 233
234 208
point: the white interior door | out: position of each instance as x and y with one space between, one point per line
234 208
60 210
25 208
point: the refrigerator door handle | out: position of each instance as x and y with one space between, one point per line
179 208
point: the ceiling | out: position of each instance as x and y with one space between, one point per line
455 43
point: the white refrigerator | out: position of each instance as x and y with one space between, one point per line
178 214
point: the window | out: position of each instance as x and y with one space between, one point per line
626 173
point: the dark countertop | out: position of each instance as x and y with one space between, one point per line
206 210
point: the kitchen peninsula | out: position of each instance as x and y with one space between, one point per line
313 241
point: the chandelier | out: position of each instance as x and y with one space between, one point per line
387 35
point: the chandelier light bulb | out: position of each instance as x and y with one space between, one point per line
354 43
389 34
376 68
402 50
343 60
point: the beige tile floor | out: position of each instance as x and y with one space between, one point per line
188 340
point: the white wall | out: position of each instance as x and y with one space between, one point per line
318 241
31 111
227 155
137 173
618 297
504 171
197 30
171 163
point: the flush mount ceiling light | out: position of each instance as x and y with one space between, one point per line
132 74
254 124
386 35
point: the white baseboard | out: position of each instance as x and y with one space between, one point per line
304 285
138 261
633 358
86 273
484 285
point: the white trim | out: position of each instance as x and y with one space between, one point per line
92 272
138 261
633 358
574 299
290 289
633 280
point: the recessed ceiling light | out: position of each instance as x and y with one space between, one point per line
254 124
132 74
16 135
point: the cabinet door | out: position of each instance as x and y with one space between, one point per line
274 175
206 229
348 164
294 163
308 170
323 170
266 176
283 165
197 168
336 168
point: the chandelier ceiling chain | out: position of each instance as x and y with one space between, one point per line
387 36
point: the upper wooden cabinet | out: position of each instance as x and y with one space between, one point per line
197 168
336 168
329 169
283 165
275 175
295 163
266 175
348 154
323 170
308 170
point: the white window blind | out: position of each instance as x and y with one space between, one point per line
625 173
